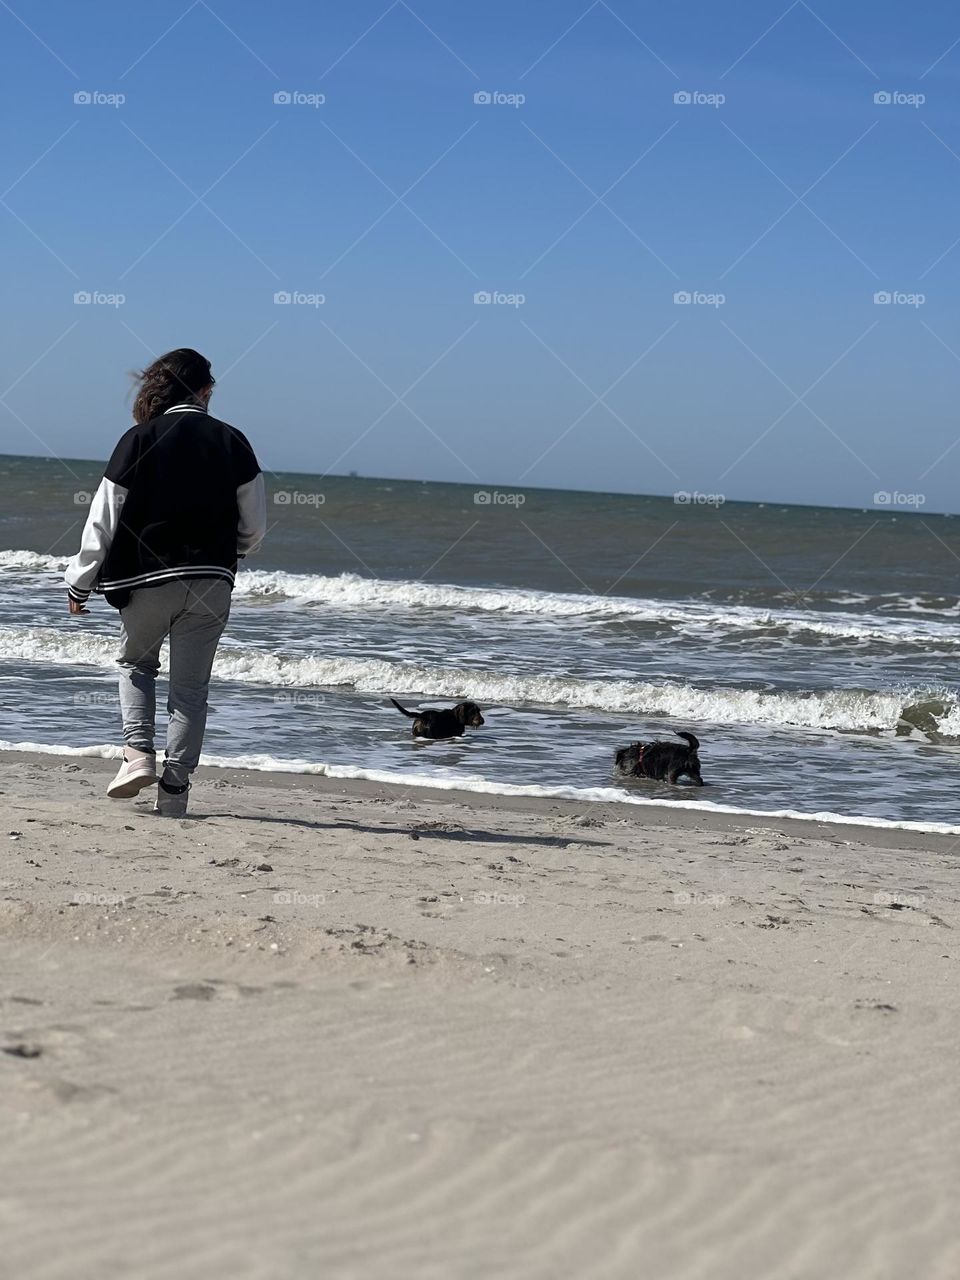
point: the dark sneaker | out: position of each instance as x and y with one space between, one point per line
172 801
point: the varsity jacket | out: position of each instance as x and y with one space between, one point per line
182 497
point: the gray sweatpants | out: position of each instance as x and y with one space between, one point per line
192 613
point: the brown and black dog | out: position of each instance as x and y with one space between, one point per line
443 724
662 761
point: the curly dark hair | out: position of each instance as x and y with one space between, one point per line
174 378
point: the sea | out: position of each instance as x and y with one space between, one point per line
812 650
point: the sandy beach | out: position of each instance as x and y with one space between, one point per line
344 1029
436 441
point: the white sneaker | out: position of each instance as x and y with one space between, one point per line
139 770
172 804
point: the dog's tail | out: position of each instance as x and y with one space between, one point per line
692 742
412 714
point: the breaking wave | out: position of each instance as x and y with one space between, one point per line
933 712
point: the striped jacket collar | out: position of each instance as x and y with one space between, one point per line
185 408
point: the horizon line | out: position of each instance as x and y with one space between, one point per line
877 509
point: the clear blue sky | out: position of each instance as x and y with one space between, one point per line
200 197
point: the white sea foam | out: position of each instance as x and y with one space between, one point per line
482 786
352 591
693 617
948 725
31 562
846 709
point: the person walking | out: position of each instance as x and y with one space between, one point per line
181 500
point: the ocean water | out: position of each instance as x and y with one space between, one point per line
812 650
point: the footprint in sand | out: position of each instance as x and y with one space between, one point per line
211 988
23 1049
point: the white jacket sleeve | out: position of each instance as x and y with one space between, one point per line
98 533
252 505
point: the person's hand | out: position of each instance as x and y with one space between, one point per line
76 606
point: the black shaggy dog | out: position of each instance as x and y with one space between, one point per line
443 724
663 761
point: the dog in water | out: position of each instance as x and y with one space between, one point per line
662 761
443 724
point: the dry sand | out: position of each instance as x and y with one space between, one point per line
345 1030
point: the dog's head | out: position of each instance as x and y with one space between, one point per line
468 713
